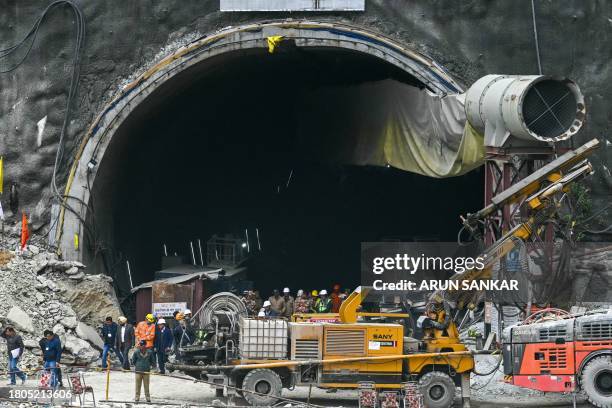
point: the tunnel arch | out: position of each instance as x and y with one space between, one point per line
243 38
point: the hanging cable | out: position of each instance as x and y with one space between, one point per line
535 36
30 39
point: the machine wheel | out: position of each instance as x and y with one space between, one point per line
438 390
596 381
265 383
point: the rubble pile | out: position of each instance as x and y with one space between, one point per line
40 292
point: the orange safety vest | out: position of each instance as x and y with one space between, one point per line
146 332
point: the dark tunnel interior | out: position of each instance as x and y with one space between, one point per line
216 150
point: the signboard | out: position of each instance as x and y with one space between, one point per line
292 5
166 309
168 297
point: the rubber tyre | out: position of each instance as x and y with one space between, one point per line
262 381
596 381
438 390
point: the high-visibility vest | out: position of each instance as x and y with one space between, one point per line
322 306
146 332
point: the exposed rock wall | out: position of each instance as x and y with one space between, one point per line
470 39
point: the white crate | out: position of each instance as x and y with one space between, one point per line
263 339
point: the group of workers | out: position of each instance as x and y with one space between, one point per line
154 340
285 305
51 348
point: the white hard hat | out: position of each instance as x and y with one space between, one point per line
261 313
286 290
161 321
323 292
187 311
300 292
267 303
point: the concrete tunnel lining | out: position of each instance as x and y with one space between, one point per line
253 36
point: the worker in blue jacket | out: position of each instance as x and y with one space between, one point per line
109 336
52 353
163 344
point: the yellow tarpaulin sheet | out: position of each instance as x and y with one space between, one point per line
391 123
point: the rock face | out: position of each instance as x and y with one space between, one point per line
20 319
80 349
90 334
443 29
93 299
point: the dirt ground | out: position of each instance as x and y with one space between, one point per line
172 390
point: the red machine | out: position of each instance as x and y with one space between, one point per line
553 351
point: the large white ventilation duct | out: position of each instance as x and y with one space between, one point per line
531 108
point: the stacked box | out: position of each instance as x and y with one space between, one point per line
263 339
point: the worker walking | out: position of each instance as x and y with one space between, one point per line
124 341
14 348
143 360
323 303
109 333
288 303
52 353
145 330
163 344
277 303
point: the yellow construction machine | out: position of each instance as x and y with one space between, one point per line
258 357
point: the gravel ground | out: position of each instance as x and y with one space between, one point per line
176 391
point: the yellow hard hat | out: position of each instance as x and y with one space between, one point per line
150 318
314 293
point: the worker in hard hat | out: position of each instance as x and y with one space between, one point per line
124 340
288 303
314 296
177 331
188 328
301 303
145 330
163 344
323 303
267 309
277 303
336 300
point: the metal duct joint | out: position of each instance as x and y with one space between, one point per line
532 108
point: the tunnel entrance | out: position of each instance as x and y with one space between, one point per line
218 150
214 139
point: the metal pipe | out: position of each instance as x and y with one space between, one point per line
296 363
192 253
129 274
201 255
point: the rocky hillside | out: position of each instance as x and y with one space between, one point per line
38 292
